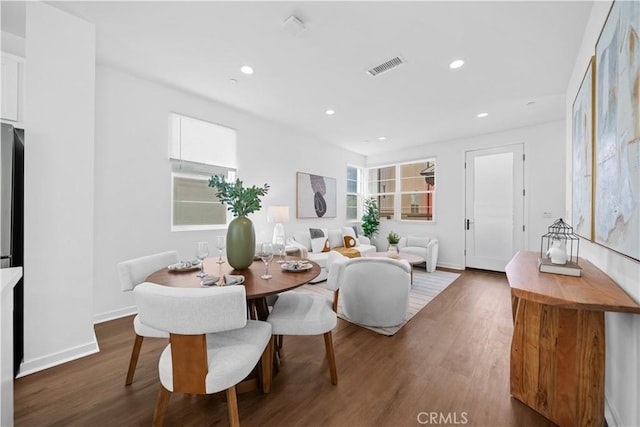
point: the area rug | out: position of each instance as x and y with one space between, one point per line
426 286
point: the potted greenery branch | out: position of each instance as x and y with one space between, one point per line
241 201
371 218
393 240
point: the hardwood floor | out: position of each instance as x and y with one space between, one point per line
451 362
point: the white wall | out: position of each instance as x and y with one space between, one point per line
622 377
12 44
544 178
132 175
59 150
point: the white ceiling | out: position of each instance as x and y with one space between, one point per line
515 52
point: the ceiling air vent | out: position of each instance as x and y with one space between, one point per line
389 65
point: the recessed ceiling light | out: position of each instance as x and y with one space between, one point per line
246 69
481 115
382 138
234 81
329 112
456 64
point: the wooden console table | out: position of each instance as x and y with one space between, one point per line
558 345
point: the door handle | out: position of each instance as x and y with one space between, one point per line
468 223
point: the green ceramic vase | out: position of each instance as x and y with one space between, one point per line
241 243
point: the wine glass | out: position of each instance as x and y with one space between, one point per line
266 254
202 251
278 245
220 243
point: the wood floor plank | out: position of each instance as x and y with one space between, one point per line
451 358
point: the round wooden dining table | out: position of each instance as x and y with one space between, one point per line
257 289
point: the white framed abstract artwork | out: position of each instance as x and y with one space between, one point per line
582 150
315 196
617 135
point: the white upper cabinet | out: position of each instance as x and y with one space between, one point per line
12 88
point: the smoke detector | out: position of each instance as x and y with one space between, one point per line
386 66
293 25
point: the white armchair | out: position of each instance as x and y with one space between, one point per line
371 291
423 246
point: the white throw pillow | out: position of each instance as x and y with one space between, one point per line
350 237
319 240
335 238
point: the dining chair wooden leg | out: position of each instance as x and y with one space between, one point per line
232 407
331 357
251 307
267 366
277 346
334 306
135 352
162 402
262 308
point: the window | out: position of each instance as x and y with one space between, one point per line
381 184
417 188
404 191
194 203
199 149
354 192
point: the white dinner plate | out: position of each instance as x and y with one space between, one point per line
303 267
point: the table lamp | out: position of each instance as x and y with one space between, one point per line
278 214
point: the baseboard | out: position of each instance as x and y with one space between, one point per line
45 362
114 314
451 266
611 414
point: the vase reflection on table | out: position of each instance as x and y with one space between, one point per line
266 255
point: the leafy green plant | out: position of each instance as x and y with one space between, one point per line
240 201
371 217
393 238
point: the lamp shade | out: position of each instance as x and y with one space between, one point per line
278 214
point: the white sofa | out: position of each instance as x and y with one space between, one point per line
302 240
423 246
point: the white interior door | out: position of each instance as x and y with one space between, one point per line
494 208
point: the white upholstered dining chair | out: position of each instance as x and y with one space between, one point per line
131 273
372 291
295 313
212 346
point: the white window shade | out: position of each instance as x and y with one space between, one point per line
198 141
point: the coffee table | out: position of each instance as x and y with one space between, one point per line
410 258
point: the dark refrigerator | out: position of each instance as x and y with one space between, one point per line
12 225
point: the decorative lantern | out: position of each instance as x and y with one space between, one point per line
559 250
